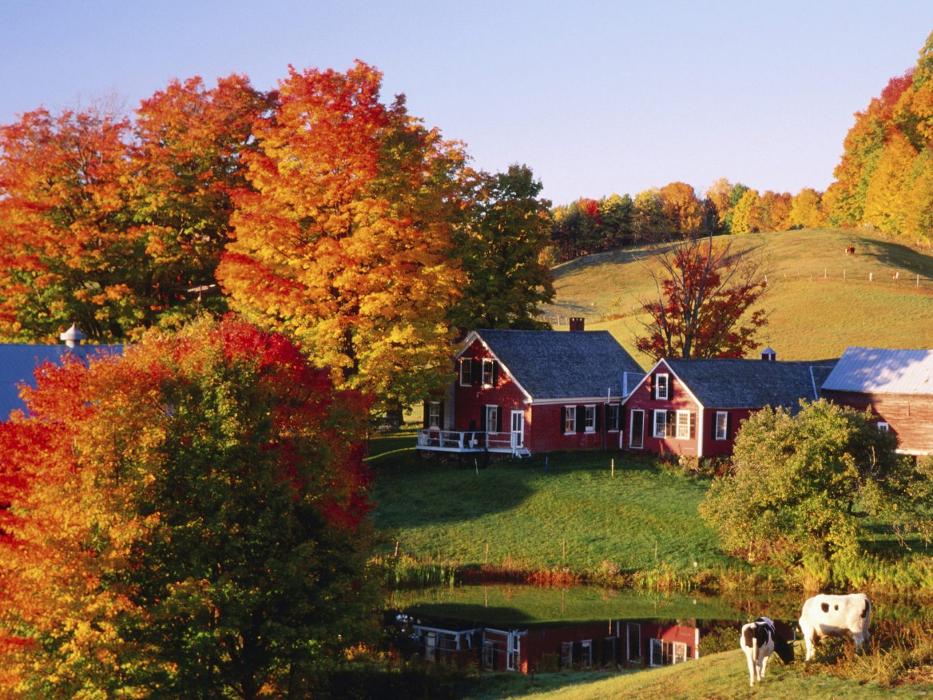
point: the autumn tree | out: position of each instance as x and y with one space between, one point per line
703 307
617 212
499 247
648 221
682 210
774 211
808 479
185 521
67 248
805 210
578 228
746 214
719 197
345 242
186 165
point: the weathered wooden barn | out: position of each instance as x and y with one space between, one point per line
521 391
896 385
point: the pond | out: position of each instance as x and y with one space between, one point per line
533 629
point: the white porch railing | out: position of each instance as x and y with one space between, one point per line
467 441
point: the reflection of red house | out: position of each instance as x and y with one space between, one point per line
695 407
583 645
897 385
532 391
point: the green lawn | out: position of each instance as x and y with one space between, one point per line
721 676
518 514
811 315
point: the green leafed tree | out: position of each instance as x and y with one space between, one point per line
803 485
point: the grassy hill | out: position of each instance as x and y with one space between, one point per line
814 312
719 676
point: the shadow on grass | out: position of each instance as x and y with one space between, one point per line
470 613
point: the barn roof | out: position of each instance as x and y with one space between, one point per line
564 364
18 362
881 371
736 383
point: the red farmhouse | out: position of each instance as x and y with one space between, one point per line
532 391
695 407
897 385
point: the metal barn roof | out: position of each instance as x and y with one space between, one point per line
882 371
18 362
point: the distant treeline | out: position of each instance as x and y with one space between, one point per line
675 211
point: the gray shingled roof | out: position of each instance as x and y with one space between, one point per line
564 364
733 383
18 362
881 371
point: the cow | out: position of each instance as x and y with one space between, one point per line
758 639
830 615
850 250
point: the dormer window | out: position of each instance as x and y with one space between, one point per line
488 372
661 382
466 371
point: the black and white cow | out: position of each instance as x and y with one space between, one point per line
831 615
758 639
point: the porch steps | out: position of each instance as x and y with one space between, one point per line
521 452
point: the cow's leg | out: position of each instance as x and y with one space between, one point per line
751 667
809 636
764 665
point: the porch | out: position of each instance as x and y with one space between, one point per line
470 441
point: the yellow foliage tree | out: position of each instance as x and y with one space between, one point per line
746 214
345 243
681 208
805 211
886 201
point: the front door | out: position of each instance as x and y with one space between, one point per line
518 428
636 433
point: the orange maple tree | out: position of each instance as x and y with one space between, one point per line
187 519
344 241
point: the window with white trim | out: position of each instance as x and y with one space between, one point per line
487 372
660 423
434 414
661 384
586 653
883 426
613 415
466 371
570 419
589 419
722 425
683 425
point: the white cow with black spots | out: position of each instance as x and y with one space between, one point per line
758 640
832 615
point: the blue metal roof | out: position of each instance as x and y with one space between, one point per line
19 362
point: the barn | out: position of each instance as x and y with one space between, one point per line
519 392
896 385
695 407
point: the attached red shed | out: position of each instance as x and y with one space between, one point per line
532 391
896 385
695 407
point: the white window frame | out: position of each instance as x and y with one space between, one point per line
653 643
657 385
466 362
487 362
654 423
589 411
679 651
677 434
570 412
586 653
495 423
883 426
631 428
615 426
722 421
434 415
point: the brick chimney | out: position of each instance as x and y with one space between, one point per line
577 323
768 355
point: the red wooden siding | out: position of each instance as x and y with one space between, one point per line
910 417
470 401
678 399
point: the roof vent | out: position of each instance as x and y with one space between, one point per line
768 355
73 336
577 323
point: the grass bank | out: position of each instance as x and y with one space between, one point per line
568 520
720 676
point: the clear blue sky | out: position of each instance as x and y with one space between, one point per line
597 97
